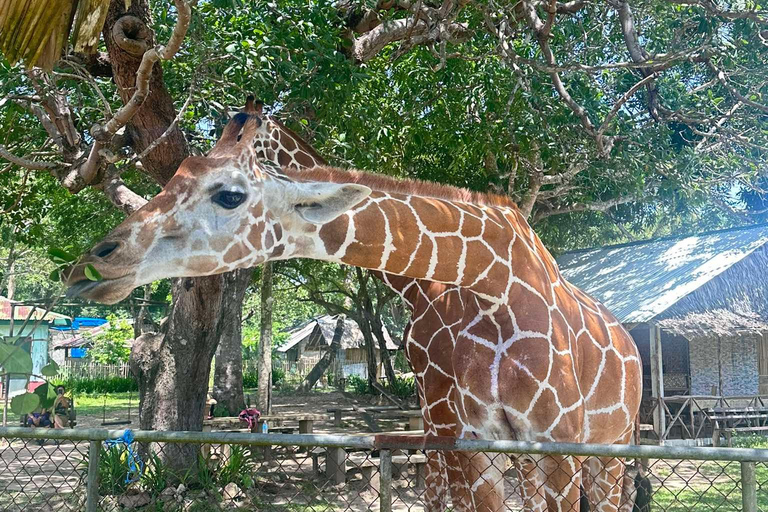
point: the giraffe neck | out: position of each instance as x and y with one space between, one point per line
477 246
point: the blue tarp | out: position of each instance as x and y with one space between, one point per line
82 321
77 353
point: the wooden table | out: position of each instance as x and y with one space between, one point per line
415 418
306 421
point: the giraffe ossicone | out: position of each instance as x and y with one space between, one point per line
532 357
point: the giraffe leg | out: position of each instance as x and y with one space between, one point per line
612 484
435 481
484 474
531 481
561 476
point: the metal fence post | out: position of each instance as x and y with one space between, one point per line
748 487
92 489
385 481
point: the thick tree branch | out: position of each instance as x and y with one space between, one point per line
595 206
103 134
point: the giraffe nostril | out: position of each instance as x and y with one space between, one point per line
105 249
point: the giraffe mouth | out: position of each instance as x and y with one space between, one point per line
105 291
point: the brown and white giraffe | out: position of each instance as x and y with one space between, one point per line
533 358
436 309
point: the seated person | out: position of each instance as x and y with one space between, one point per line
39 419
61 409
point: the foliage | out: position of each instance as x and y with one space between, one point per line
401 362
110 345
358 385
15 361
403 387
251 379
113 468
751 440
101 385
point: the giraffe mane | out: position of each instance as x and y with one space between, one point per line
383 183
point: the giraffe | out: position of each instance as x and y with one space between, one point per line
533 357
435 309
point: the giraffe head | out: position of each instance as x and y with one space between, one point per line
218 213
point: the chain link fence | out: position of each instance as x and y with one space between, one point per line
99 470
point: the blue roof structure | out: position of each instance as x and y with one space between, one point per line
639 281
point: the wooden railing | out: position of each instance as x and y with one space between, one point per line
689 416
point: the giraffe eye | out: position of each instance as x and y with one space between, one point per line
228 199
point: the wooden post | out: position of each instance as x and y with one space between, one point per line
657 382
336 465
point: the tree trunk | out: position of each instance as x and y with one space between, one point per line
228 369
370 350
173 367
378 332
265 342
328 358
158 112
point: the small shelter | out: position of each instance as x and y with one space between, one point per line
74 341
697 306
33 323
308 342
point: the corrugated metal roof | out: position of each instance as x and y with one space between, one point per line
640 280
22 312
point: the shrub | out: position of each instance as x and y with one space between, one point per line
111 346
403 388
105 385
358 384
251 379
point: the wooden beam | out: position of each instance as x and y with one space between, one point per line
657 381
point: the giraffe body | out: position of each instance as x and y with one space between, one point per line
533 358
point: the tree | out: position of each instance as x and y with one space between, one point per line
228 367
265 341
111 345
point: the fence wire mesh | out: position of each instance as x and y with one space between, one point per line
347 473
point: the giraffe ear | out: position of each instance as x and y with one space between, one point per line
319 203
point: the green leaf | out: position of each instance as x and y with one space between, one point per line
60 255
46 395
91 273
25 404
55 276
50 370
15 359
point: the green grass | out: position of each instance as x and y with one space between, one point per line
698 494
92 405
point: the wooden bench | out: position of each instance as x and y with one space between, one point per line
730 420
369 468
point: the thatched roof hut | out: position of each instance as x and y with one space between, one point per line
703 298
316 335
